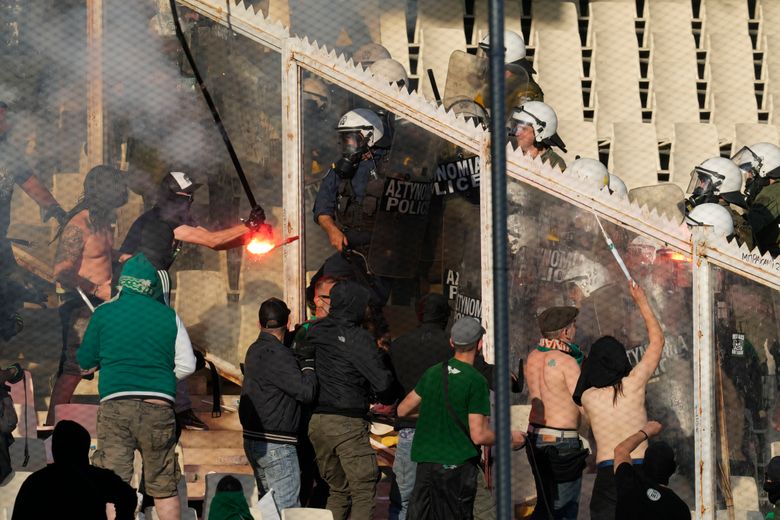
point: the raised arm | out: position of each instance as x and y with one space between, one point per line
652 356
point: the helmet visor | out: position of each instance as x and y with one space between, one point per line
704 181
747 160
351 142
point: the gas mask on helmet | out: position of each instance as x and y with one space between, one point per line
704 183
353 146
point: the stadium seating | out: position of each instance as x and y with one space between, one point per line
441 14
747 134
692 144
511 18
634 154
436 45
392 28
553 16
248 483
558 61
580 139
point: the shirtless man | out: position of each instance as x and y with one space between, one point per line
613 396
551 371
83 261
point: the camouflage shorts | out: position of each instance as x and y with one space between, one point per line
129 424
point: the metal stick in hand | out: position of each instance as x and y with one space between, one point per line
614 250
86 300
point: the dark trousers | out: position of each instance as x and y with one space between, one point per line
347 463
444 492
604 497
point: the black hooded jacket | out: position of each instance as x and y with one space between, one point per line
273 390
350 367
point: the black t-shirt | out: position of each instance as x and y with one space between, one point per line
154 237
638 497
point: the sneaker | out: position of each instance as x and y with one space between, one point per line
189 421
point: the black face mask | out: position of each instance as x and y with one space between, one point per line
700 197
753 187
351 156
773 489
175 208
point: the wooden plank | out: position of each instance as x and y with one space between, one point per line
211 438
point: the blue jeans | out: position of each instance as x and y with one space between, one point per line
405 470
276 467
563 496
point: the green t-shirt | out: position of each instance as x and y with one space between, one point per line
438 437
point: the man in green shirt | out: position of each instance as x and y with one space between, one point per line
454 406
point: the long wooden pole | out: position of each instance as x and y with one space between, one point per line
95 133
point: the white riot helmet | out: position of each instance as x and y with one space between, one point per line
369 53
713 179
588 275
760 159
617 186
643 249
760 162
514 46
711 214
364 122
390 71
539 116
592 171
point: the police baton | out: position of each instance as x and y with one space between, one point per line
613 249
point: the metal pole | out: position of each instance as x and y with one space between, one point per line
95 148
292 189
500 293
705 433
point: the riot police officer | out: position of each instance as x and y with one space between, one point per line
762 161
532 126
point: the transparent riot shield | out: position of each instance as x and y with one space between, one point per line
404 205
467 78
667 199
747 343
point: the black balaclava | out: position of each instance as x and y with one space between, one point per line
433 308
659 464
174 208
606 364
772 481
70 444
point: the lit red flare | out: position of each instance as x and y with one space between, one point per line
263 241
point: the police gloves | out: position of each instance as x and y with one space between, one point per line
256 219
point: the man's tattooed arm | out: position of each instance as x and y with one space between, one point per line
68 258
